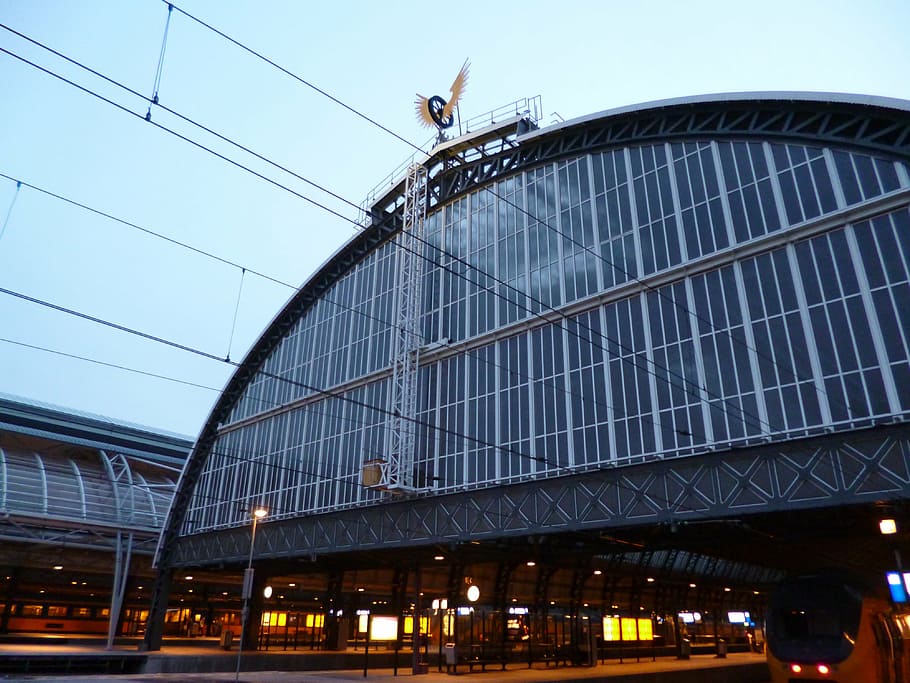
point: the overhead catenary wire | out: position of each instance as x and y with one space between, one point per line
287 72
9 211
116 366
794 371
332 394
327 299
158 72
692 390
633 359
236 310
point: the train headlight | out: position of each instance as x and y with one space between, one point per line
796 668
823 669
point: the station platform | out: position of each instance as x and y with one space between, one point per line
77 661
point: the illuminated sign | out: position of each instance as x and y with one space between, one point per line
897 586
384 628
627 629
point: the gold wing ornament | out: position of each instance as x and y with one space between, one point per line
458 85
435 111
422 106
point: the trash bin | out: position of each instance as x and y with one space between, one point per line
451 654
685 649
227 639
722 649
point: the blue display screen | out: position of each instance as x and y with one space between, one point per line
896 586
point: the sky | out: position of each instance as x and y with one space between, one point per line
58 139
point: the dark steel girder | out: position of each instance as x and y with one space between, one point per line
870 128
843 469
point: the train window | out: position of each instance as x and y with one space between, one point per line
32 610
816 622
56 611
82 611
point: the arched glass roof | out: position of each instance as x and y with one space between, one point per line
93 488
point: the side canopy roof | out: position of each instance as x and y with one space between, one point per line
82 476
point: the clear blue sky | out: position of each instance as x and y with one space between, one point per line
580 57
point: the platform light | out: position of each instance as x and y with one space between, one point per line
58 567
257 513
267 592
887 527
597 572
531 563
650 579
473 593
439 558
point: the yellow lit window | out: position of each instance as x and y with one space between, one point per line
611 629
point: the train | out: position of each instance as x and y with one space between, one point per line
826 627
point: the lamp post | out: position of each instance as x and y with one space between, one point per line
257 514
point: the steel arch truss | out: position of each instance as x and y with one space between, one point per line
859 467
872 128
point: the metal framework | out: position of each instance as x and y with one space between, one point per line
397 471
857 467
837 122
861 467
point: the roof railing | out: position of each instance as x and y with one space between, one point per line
527 106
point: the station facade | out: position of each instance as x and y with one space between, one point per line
662 348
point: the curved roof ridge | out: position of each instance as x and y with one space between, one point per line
744 96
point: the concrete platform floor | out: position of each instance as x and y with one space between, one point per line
736 668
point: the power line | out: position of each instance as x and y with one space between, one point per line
148 231
633 356
109 365
467 264
180 136
9 211
292 75
326 299
694 390
332 394
793 371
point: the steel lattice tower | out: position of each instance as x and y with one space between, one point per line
397 471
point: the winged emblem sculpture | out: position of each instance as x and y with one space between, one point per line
435 111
